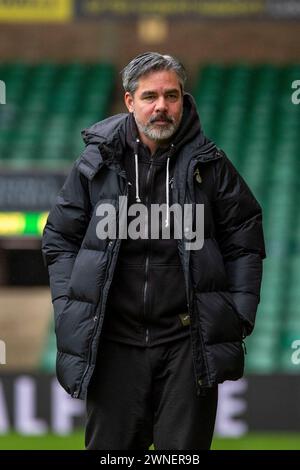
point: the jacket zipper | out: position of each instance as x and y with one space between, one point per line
217 155
147 254
98 311
145 293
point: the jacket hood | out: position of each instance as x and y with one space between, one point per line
190 127
103 131
113 129
109 138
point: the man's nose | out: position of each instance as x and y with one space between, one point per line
161 104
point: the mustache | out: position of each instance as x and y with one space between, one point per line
161 117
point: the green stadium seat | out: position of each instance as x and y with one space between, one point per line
48 102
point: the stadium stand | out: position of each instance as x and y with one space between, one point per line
47 107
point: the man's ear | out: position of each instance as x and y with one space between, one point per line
128 98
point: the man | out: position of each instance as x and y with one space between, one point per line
148 326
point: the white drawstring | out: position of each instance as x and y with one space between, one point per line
137 196
167 194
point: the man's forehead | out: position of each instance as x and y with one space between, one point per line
165 79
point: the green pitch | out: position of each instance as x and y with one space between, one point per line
263 441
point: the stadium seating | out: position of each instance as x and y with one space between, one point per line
47 105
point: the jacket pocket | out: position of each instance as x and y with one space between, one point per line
218 318
75 328
88 275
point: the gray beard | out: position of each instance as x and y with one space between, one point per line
157 134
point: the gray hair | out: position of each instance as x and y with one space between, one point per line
149 62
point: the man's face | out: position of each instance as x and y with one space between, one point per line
157 105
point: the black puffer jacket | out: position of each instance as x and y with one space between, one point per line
147 303
222 280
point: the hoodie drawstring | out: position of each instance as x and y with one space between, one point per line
167 220
137 196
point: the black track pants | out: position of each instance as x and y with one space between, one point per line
139 396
